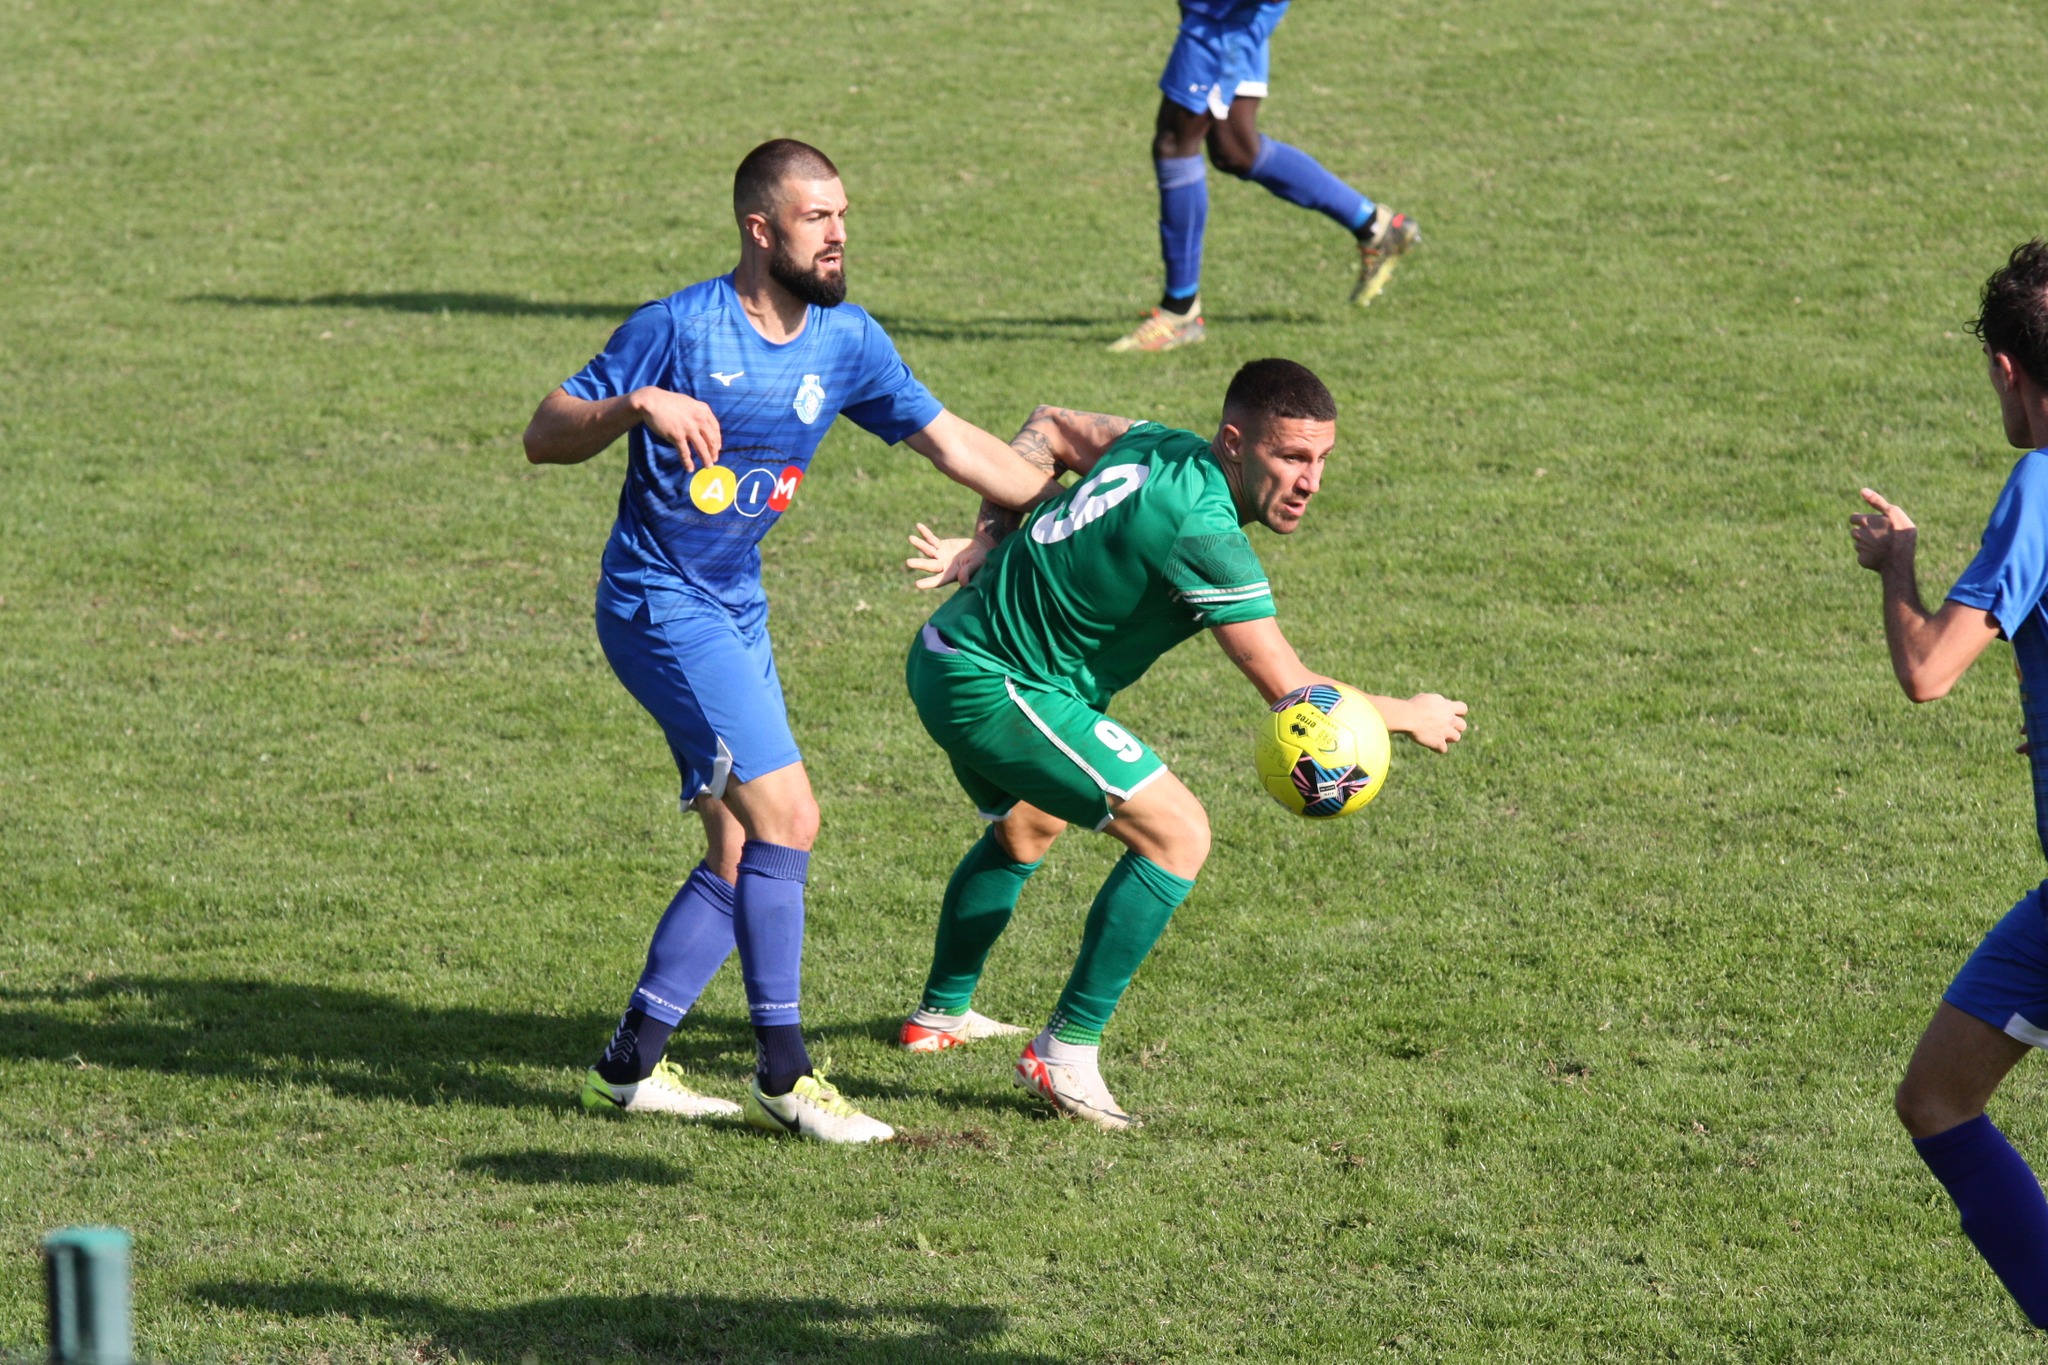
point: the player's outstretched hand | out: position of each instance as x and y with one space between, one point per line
945 560
1881 534
678 420
1433 721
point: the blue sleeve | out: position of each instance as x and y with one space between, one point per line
2009 576
640 353
889 401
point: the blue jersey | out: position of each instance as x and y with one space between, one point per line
2009 579
684 542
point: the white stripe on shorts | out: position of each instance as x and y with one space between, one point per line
1061 745
2020 1028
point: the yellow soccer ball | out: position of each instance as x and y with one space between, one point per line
1323 751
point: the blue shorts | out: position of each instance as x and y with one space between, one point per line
1212 63
713 691
2005 982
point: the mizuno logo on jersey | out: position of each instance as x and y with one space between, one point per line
726 379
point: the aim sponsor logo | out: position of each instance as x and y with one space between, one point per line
715 489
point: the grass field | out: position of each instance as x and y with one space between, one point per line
328 845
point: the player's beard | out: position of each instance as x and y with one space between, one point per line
813 285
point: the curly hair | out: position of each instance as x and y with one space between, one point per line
2013 318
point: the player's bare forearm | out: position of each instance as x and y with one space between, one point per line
1072 439
1265 657
969 456
569 430
1930 651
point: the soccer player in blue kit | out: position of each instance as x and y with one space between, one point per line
1997 1006
725 390
1214 83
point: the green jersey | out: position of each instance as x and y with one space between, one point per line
1118 569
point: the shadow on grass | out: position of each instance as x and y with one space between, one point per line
436 302
353 1043
1104 328
574 1168
649 1326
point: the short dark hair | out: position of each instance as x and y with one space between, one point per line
764 169
1279 388
2013 318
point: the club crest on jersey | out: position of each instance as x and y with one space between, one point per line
810 400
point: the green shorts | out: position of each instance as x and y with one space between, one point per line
1014 740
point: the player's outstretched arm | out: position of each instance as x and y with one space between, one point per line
1262 653
967 455
1930 650
569 430
1070 439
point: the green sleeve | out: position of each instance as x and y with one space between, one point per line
1215 570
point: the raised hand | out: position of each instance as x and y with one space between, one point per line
949 560
1881 535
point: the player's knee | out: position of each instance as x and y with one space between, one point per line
1232 159
1923 1110
801 827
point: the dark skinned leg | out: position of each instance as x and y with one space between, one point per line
1178 132
1234 142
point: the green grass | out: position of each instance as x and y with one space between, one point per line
328 845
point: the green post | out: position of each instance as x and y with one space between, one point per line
87 1271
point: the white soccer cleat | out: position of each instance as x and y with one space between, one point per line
661 1093
813 1109
1077 1091
918 1036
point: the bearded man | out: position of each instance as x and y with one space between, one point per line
725 391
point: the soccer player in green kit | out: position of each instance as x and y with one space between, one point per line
1014 676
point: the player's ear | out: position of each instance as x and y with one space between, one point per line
757 228
1230 442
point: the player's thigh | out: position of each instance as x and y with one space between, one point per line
1027 832
777 807
1992 1012
1958 1063
1011 742
1234 140
713 691
1179 131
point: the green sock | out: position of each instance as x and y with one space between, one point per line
1129 915
976 908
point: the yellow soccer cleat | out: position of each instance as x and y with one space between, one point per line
813 1109
661 1093
1393 236
1164 331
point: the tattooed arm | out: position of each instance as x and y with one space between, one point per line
1053 440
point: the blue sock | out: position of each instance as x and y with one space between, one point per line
768 924
2004 1213
690 944
1183 214
1299 178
